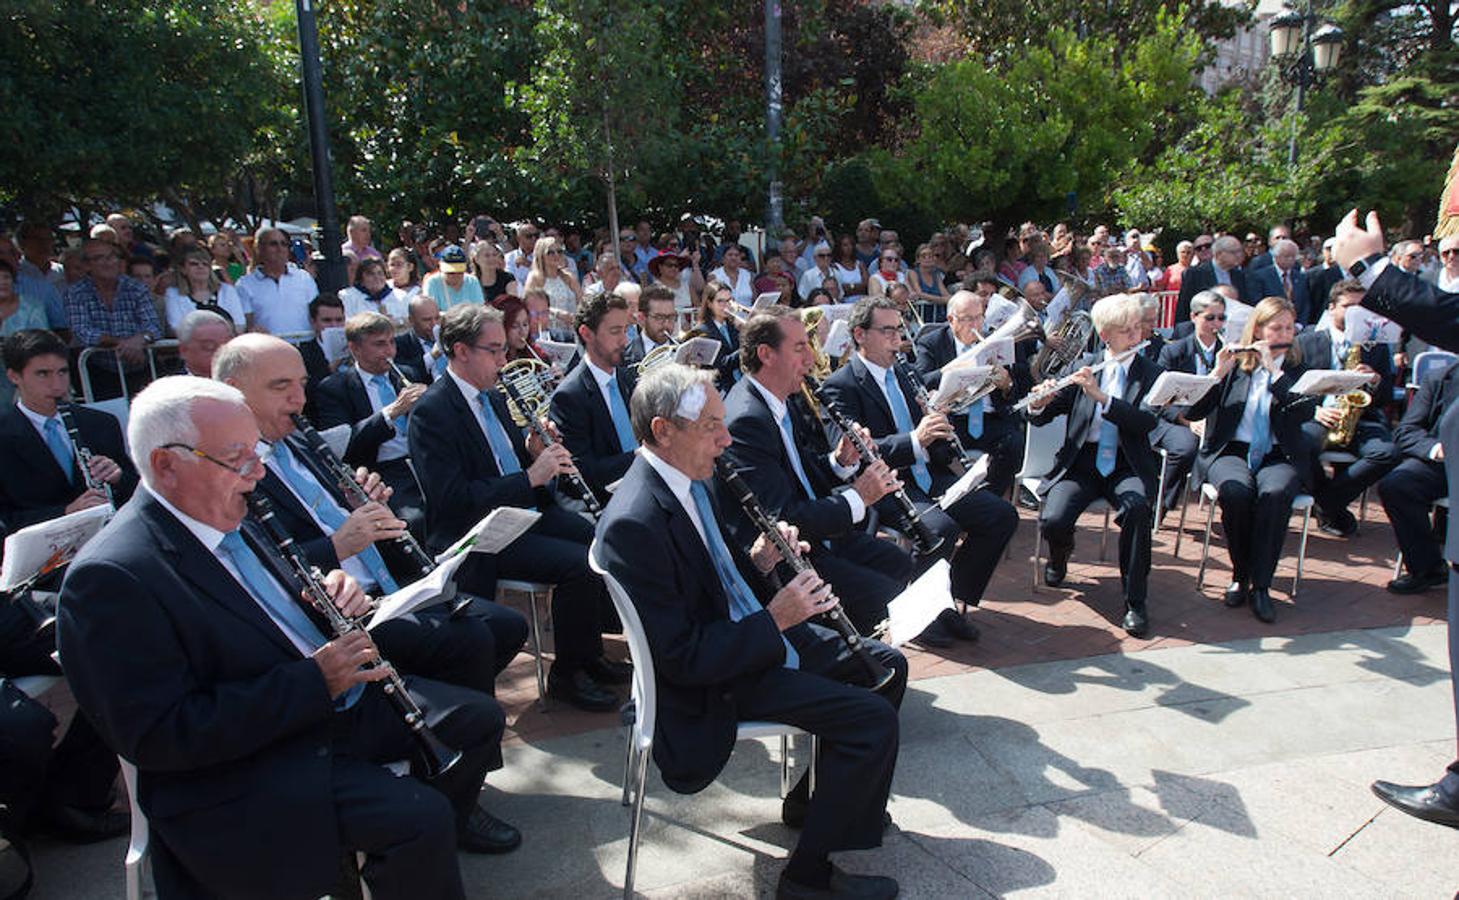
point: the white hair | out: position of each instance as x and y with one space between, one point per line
163 414
1116 310
671 391
1147 302
197 318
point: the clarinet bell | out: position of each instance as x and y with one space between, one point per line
436 758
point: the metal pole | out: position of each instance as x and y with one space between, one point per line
775 211
1304 75
332 275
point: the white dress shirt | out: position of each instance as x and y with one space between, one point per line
398 446
1112 382
779 409
278 307
679 485
1261 380
471 393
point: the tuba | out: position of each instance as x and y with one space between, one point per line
1352 404
1063 346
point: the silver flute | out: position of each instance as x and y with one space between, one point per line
1038 394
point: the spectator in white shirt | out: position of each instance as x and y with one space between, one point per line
276 293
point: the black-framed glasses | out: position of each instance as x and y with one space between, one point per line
1212 317
242 470
1202 246
1450 252
887 330
494 349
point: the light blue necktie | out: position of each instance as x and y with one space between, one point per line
60 447
903 418
975 413
314 496
795 464
496 436
1109 435
387 397
619 411
268 592
742 600
1261 425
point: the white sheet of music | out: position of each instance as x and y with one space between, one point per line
913 610
1179 388
838 339
698 351
1318 382
556 351
332 341
45 546
1236 315
956 379
1363 326
992 352
971 480
338 438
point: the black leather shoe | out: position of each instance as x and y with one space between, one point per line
1421 801
934 635
957 625
483 832
1236 595
1054 571
581 691
606 671
1343 525
843 885
1137 623
1261 605
1409 583
80 826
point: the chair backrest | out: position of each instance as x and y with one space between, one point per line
1428 361
118 408
1041 447
645 692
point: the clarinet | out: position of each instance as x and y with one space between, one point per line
435 755
925 541
355 497
580 484
83 452
924 400
879 674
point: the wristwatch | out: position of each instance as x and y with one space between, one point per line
1362 265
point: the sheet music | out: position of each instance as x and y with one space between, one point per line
1237 313
557 351
418 594
836 312
990 353
972 479
337 438
46 546
838 339
332 341
1179 388
999 310
493 533
1316 382
958 378
698 351
913 610
1058 307
769 298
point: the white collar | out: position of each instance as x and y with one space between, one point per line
207 535
468 390
36 419
677 482
1201 346
777 406
599 375
877 372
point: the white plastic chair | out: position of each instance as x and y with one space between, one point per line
138 865
1040 448
640 736
1301 502
532 589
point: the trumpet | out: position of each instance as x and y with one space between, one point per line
1037 394
83 453
879 674
436 757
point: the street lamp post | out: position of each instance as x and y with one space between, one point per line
1305 48
332 276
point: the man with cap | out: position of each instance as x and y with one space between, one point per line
454 285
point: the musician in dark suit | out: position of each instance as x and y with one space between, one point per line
1433 316
1410 490
325 311
990 425
1283 277
1255 451
1372 443
471 459
1106 453
374 398
821 494
874 391
590 406
40 469
414 346
730 647
237 706
1193 354
716 321
656 318
1224 267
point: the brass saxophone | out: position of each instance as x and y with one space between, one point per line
1351 405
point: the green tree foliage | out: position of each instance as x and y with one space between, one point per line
121 102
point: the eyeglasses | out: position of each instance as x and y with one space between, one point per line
890 259
661 317
887 330
554 252
1203 246
1212 317
1450 252
242 470
493 349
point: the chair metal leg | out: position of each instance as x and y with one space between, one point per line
635 819
1301 551
784 765
1159 495
1104 535
628 759
1185 499
1397 564
1038 546
1205 548
536 621
815 753
1363 509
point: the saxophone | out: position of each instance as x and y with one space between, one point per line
1351 405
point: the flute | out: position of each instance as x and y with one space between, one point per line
580 484
923 538
436 756
83 453
924 400
1038 394
879 674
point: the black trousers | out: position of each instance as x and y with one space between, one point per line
1377 456
985 521
406 498
858 731
1181 446
1452 780
469 650
555 551
1002 440
1125 491
866 574
1255 509
1408 494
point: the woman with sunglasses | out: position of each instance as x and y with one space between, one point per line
888 272
551 273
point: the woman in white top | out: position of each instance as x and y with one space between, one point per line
668 271
372 292
889 272
738 279
402 272
196 286
551 273
849 271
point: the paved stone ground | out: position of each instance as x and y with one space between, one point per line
1220 758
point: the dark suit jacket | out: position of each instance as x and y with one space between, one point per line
32 486
1180 356
1268 283
316 367
1128 412
582 418
758 452
1227 402
408 352
859 398
1320 280
1181 329
1260 262
1316 347
1418 432
454 463
633 353
727 363
341 399
1200 277
936 347
185 675
647 541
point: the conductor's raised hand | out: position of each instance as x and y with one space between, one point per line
341 659
806 595
1353 242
